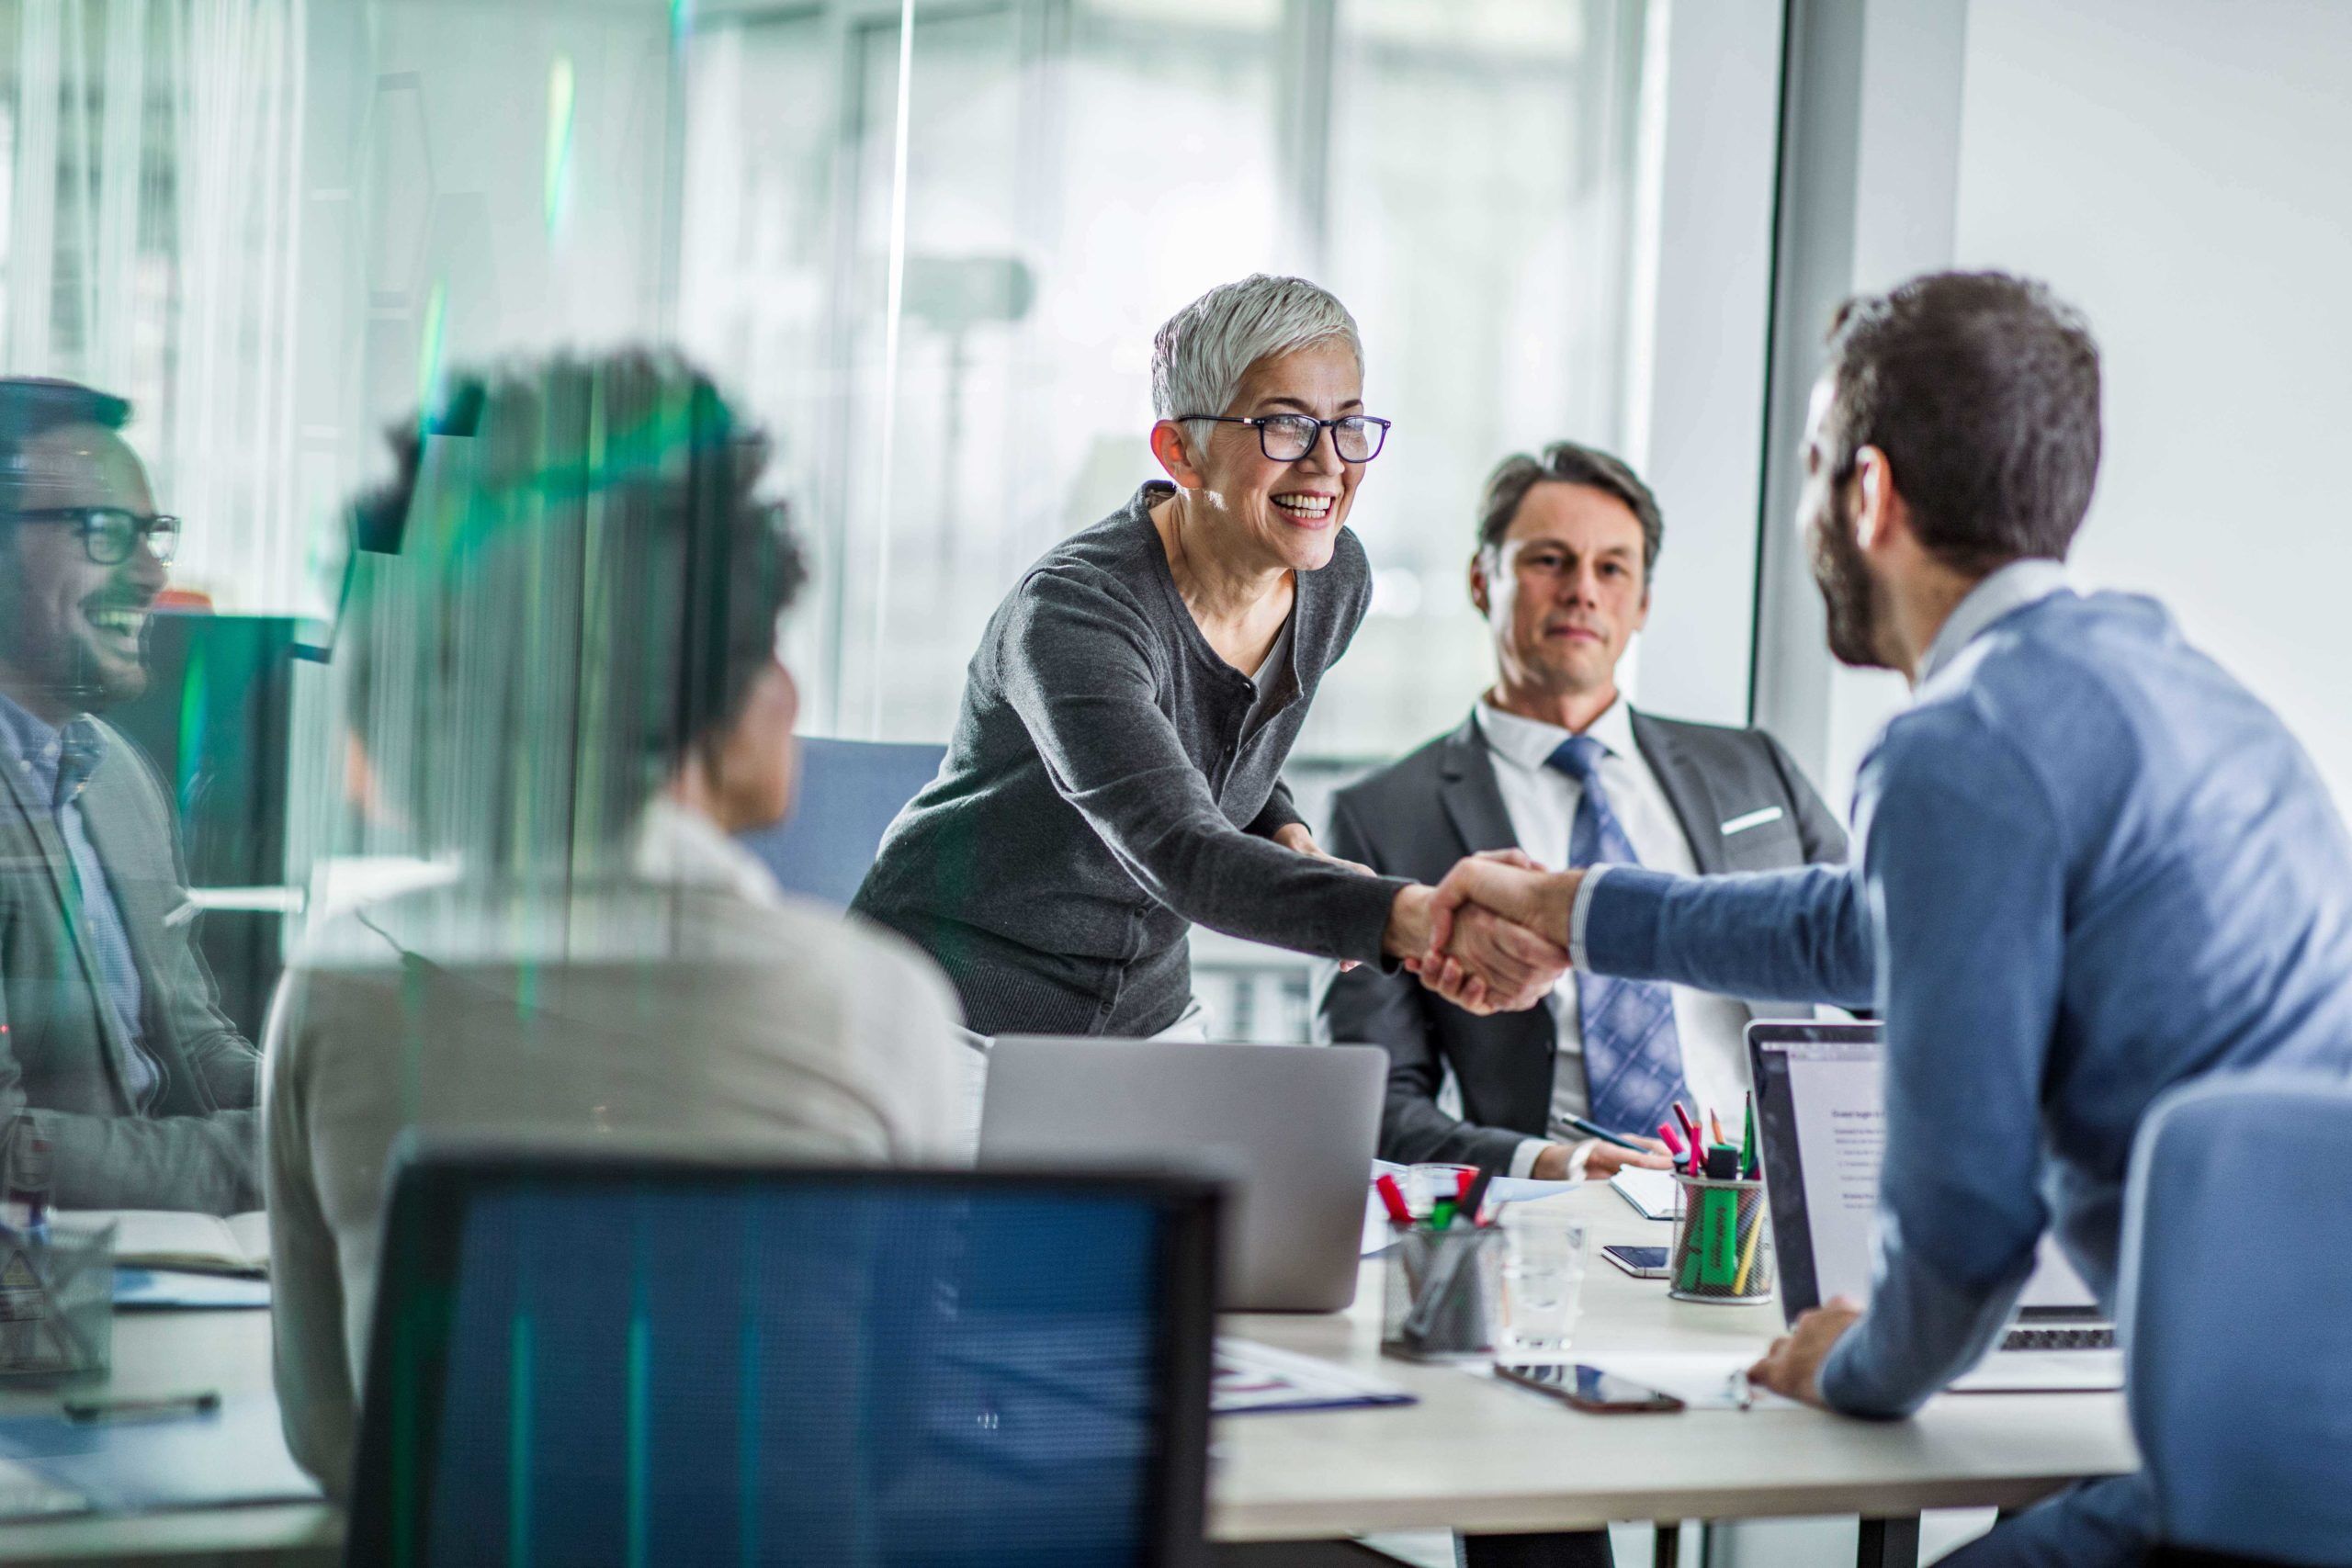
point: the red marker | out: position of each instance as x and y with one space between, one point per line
1392 1197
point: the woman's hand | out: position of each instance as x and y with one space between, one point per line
1295 836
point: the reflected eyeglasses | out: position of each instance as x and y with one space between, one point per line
109 534
1287 437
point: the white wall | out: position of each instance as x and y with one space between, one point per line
2179 169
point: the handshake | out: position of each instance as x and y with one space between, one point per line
1492 937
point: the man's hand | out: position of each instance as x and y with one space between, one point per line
1513 886
1597 1160
1499 966
1791 1368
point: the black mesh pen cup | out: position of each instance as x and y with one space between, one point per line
57 1304
1437 1302
1722 1248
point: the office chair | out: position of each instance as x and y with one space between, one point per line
849 792
588 1357
2237 1269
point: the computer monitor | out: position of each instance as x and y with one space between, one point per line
712 1362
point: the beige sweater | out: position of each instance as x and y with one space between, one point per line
691 1015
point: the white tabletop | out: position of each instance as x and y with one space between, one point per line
1473 1455
1481 1456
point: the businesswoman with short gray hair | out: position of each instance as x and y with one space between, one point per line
1114 774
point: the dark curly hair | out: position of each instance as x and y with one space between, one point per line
568 586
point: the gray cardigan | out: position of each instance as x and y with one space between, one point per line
1103 790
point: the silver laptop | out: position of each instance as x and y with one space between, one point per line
1820 1108
1291 1127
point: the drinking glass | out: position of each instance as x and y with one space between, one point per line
1543 1251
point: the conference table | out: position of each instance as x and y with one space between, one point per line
1490 1459
1473 1455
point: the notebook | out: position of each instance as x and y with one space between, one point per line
1653 1193
161 1239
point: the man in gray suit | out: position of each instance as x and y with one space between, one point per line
121 1083
1554 763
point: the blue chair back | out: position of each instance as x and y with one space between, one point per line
2235 1311
850 790
584 1359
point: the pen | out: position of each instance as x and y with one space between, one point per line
1595 1130
1748 1141
1476 1195
1672 1140
91 1411
1392 1197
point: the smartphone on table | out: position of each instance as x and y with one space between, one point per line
1589 1388
1641 1263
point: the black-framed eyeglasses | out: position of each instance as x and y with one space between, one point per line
1287 437
109 534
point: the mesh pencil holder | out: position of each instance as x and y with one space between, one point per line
1438 1300
57 1304
1722 1248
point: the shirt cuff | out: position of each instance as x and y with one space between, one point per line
1579 910
1530 1150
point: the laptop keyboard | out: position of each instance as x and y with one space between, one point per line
2099 1337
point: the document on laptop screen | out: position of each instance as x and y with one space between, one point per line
1838 1091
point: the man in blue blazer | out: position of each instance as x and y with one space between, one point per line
2090 866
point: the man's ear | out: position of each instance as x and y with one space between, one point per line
1478 580
1878 508
1173 448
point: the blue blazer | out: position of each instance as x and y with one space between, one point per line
2090 866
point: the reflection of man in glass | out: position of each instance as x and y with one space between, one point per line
114 1061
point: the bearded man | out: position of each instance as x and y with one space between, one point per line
2090 866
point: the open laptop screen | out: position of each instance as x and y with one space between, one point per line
1821 1113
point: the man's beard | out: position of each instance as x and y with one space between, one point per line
1847 590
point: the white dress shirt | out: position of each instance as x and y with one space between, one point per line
1541 804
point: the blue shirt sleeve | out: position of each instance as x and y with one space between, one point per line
1964 871
1788 936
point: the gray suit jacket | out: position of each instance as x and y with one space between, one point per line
1417 816
60 1063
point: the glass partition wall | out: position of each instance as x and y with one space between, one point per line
923 246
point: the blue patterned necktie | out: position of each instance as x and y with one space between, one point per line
1633 1057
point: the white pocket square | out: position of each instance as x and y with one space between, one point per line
1755 818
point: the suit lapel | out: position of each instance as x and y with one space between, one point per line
40 833
1685 790
1473 802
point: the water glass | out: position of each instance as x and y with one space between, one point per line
1544 1249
